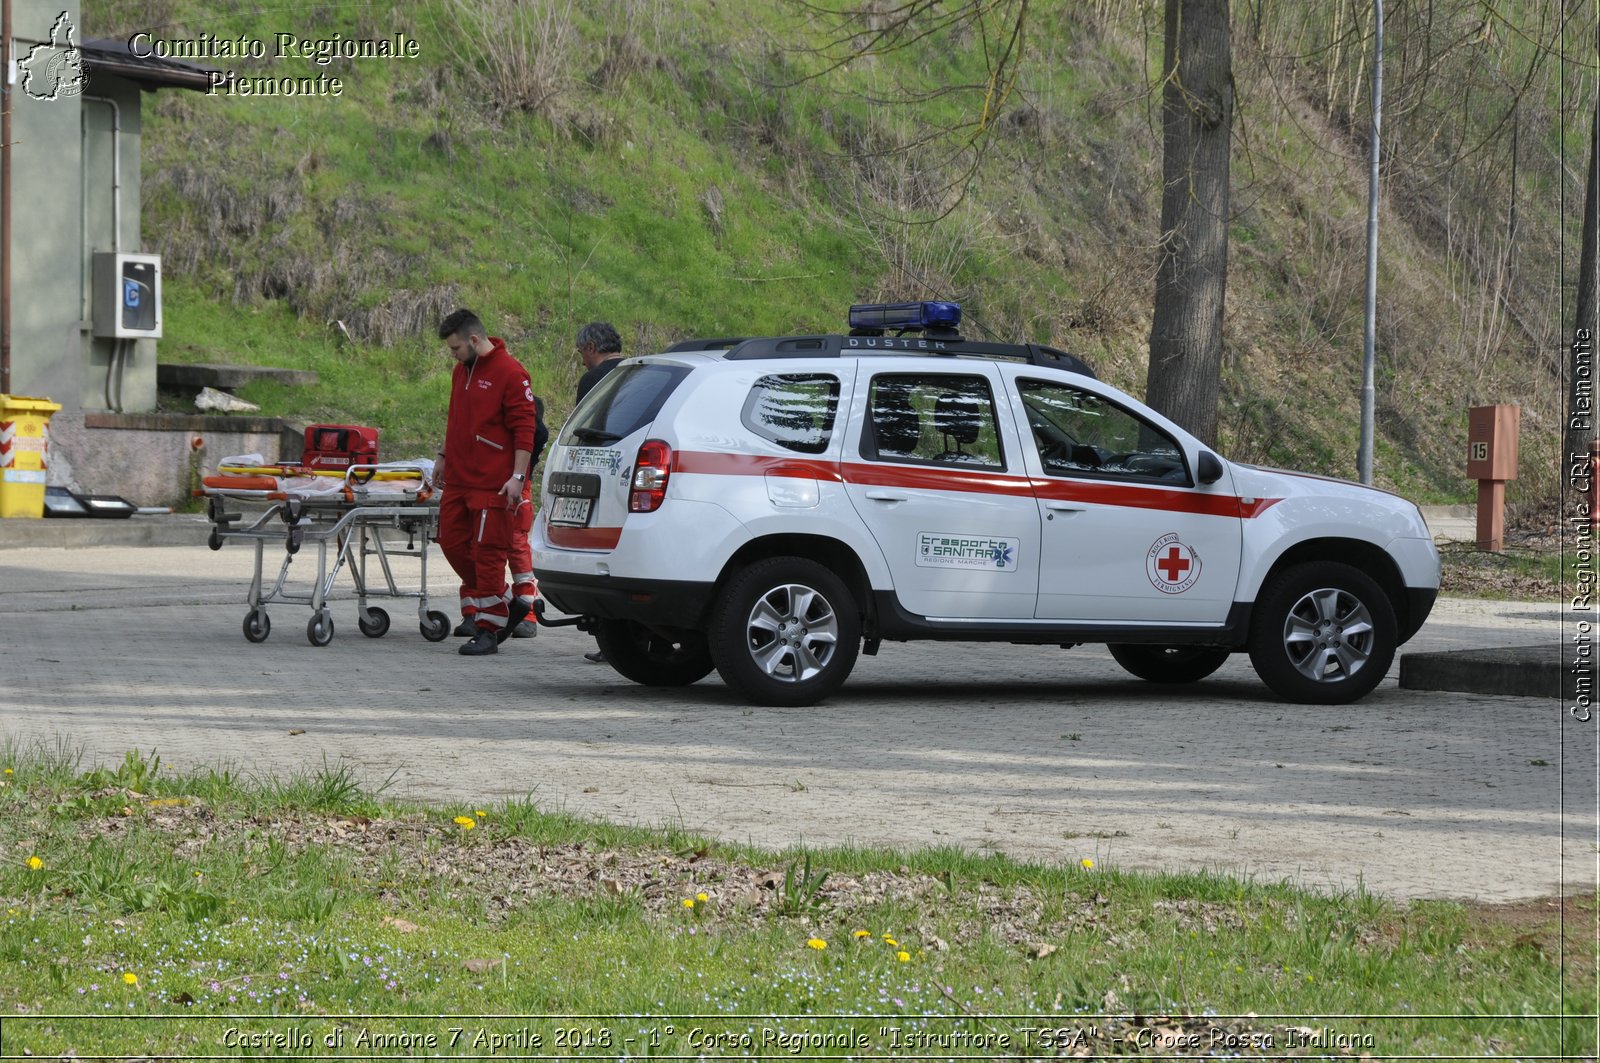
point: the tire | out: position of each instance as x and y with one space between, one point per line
375 624
257 625
1322 633
639 654
319 629
786 631
1169 664
437 627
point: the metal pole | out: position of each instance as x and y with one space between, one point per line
7 94
1368 358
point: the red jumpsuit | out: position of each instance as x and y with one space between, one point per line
492 415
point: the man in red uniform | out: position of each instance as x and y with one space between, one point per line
489 442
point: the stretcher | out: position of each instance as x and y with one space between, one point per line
350 515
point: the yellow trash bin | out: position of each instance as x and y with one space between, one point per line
24 454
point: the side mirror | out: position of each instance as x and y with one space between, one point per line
1210 467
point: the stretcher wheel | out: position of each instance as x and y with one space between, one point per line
214 540
437 627
375 624
257 625
319 630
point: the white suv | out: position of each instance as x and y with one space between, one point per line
770 507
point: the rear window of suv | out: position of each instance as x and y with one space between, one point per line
627 399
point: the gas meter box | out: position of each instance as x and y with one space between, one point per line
1492 442
127 295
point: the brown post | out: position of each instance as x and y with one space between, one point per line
1492 460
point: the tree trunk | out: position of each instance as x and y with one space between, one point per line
1192 275
1581 371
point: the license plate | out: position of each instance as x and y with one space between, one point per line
570 511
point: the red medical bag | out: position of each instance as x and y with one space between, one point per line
339 446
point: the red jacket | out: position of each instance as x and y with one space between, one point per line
492 415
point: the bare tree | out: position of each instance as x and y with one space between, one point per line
1192 275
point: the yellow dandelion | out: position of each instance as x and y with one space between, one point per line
129 978
903 956
891 941
863 934
10 772
465 822
1086 864
481 814
34 863
816 943
701 897
688 902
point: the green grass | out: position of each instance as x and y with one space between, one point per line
166 911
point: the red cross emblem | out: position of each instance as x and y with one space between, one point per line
1173 566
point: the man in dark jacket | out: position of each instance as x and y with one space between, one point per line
600 349
489 443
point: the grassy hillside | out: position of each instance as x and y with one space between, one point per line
697 167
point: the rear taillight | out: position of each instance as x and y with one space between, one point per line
651 470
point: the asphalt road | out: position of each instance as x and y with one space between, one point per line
1041 753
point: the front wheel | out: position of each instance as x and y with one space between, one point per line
319 629
1169 664
437 627
786 631
639 654
375 624
1322 633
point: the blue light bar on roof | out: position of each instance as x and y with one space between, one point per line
905 316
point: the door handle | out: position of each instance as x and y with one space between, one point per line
887 496
1064 507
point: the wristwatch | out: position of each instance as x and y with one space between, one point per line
519 476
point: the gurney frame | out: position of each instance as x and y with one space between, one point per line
347 529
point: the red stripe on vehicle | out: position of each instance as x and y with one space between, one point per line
707 464
584 538
939 478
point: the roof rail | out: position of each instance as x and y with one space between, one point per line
925 346
719 344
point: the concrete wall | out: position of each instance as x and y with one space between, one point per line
130 385
150 459
64 197
47 341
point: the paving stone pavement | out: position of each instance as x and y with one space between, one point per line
1038 752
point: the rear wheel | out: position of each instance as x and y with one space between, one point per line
785 632
639 654
1323 634
1169 664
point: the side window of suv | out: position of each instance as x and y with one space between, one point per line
932 418
794 410
1080 434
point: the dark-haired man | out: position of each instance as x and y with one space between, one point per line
488 448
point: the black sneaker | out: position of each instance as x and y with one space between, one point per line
597 657
483 642
466 629
519 613
525 630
